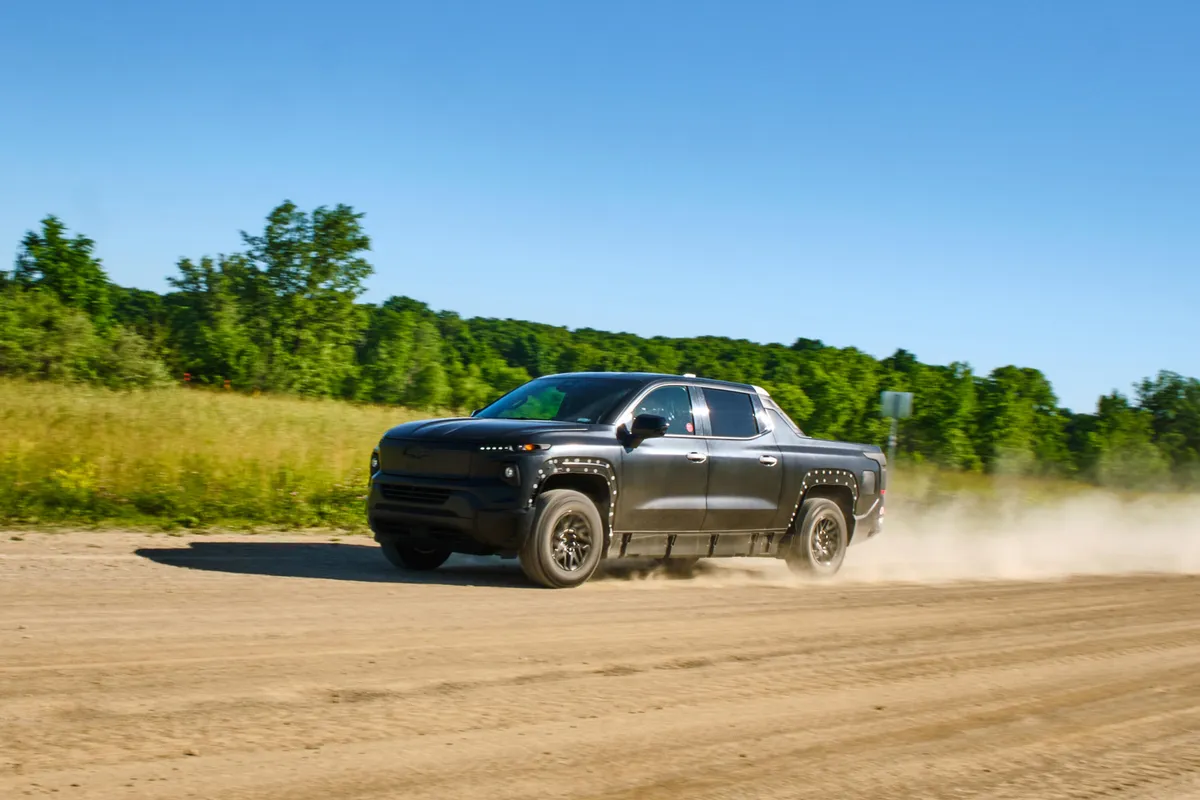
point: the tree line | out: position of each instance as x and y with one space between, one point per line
283 315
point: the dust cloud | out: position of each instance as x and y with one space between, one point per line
1014 538
1093 533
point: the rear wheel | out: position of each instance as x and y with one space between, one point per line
565 541
414 557
819 542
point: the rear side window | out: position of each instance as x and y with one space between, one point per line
730 414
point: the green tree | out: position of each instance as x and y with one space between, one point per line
428 385
145 313
502 377
1120 450
386 354
469 390
212 332
1021 428
42 338
65 266
304 273
942 428
844 386
1173 403
127 361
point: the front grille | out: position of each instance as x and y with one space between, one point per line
420 495
428 460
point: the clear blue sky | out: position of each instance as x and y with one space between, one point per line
996 183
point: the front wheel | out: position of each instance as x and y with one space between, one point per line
564 544
413 557
819 542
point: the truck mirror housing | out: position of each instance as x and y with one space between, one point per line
648 426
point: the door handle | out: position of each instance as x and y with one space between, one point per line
770 461
699 458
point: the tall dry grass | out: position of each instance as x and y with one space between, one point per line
183 457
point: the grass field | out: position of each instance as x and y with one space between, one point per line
192 458
180 457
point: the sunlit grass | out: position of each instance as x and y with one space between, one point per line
183 457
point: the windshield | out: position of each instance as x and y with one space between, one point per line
566 399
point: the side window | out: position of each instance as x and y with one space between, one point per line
730 413
674 403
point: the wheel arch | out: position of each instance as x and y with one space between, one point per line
838 485
593 477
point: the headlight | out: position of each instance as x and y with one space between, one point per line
374 462
513 448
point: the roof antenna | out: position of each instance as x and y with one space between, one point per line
689 374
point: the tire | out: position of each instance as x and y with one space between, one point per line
413 558
819 542
565 542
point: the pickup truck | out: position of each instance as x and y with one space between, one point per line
568 470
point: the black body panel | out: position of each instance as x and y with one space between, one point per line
470 483
663 485
743 488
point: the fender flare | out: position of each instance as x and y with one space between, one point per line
580 465
827 477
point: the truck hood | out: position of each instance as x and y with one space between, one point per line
474 429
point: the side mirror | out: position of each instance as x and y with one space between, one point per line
648 426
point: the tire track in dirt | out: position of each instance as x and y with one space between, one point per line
265 678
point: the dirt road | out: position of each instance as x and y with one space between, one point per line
277 667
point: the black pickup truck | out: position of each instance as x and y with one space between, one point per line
570 469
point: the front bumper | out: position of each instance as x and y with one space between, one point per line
479 517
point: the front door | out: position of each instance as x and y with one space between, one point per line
664 480
745 465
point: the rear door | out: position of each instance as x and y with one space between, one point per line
745 466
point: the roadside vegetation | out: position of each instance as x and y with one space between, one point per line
176 457
183 458
290 378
